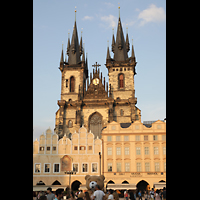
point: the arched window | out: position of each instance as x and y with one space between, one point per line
121 81
72 84
70 124
95 124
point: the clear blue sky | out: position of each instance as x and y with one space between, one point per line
52 20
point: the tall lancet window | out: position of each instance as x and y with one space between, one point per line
121 81
95 124
72 84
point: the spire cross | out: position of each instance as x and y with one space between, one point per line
96 65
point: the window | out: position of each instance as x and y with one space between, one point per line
164 150
109 167
75 148
139 167
109 138
126 150
54 148
118 151
126 138
127 167
85 167
41 148
48 148
118 138
66 82
94 167
163 137
109 150
146 150
37 168
155 150
121 81
56 167
121 112
164 166
46 167
90 147
118 167
137 150
137 137
147 167
145 137
72 84
70 124
155 137
82 147
75 167
95 124
157 167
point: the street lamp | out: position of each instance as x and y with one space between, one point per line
100 162
70 173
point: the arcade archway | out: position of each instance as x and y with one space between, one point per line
75 185
142 185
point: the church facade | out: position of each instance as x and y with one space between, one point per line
98 128
89 100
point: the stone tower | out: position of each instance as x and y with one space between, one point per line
121 70
90 101
74 73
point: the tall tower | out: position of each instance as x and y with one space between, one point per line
74 71
121 70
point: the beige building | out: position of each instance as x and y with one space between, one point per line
134 154
53 157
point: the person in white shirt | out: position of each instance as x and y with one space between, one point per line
98 194
110 192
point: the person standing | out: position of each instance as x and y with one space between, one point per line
140 195
59 194
164 193
50 195
145 195
126 195
156 195
152 194
98 194
110 197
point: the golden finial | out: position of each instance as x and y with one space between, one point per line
75 13
119 10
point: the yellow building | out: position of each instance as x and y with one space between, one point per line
135 155
53 157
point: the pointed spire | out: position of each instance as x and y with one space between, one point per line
81 45
68 45
62 57
127 43
74 50
120 52
83 56
113 43
108 54
132 54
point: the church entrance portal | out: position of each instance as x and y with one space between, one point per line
95 124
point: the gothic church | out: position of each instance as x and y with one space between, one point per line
89 101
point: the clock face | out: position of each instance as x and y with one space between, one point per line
96 81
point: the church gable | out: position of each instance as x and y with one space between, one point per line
96 88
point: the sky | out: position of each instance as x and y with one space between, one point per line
53 21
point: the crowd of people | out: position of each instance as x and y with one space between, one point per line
152 195
100 195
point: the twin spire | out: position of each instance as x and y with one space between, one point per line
120 47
